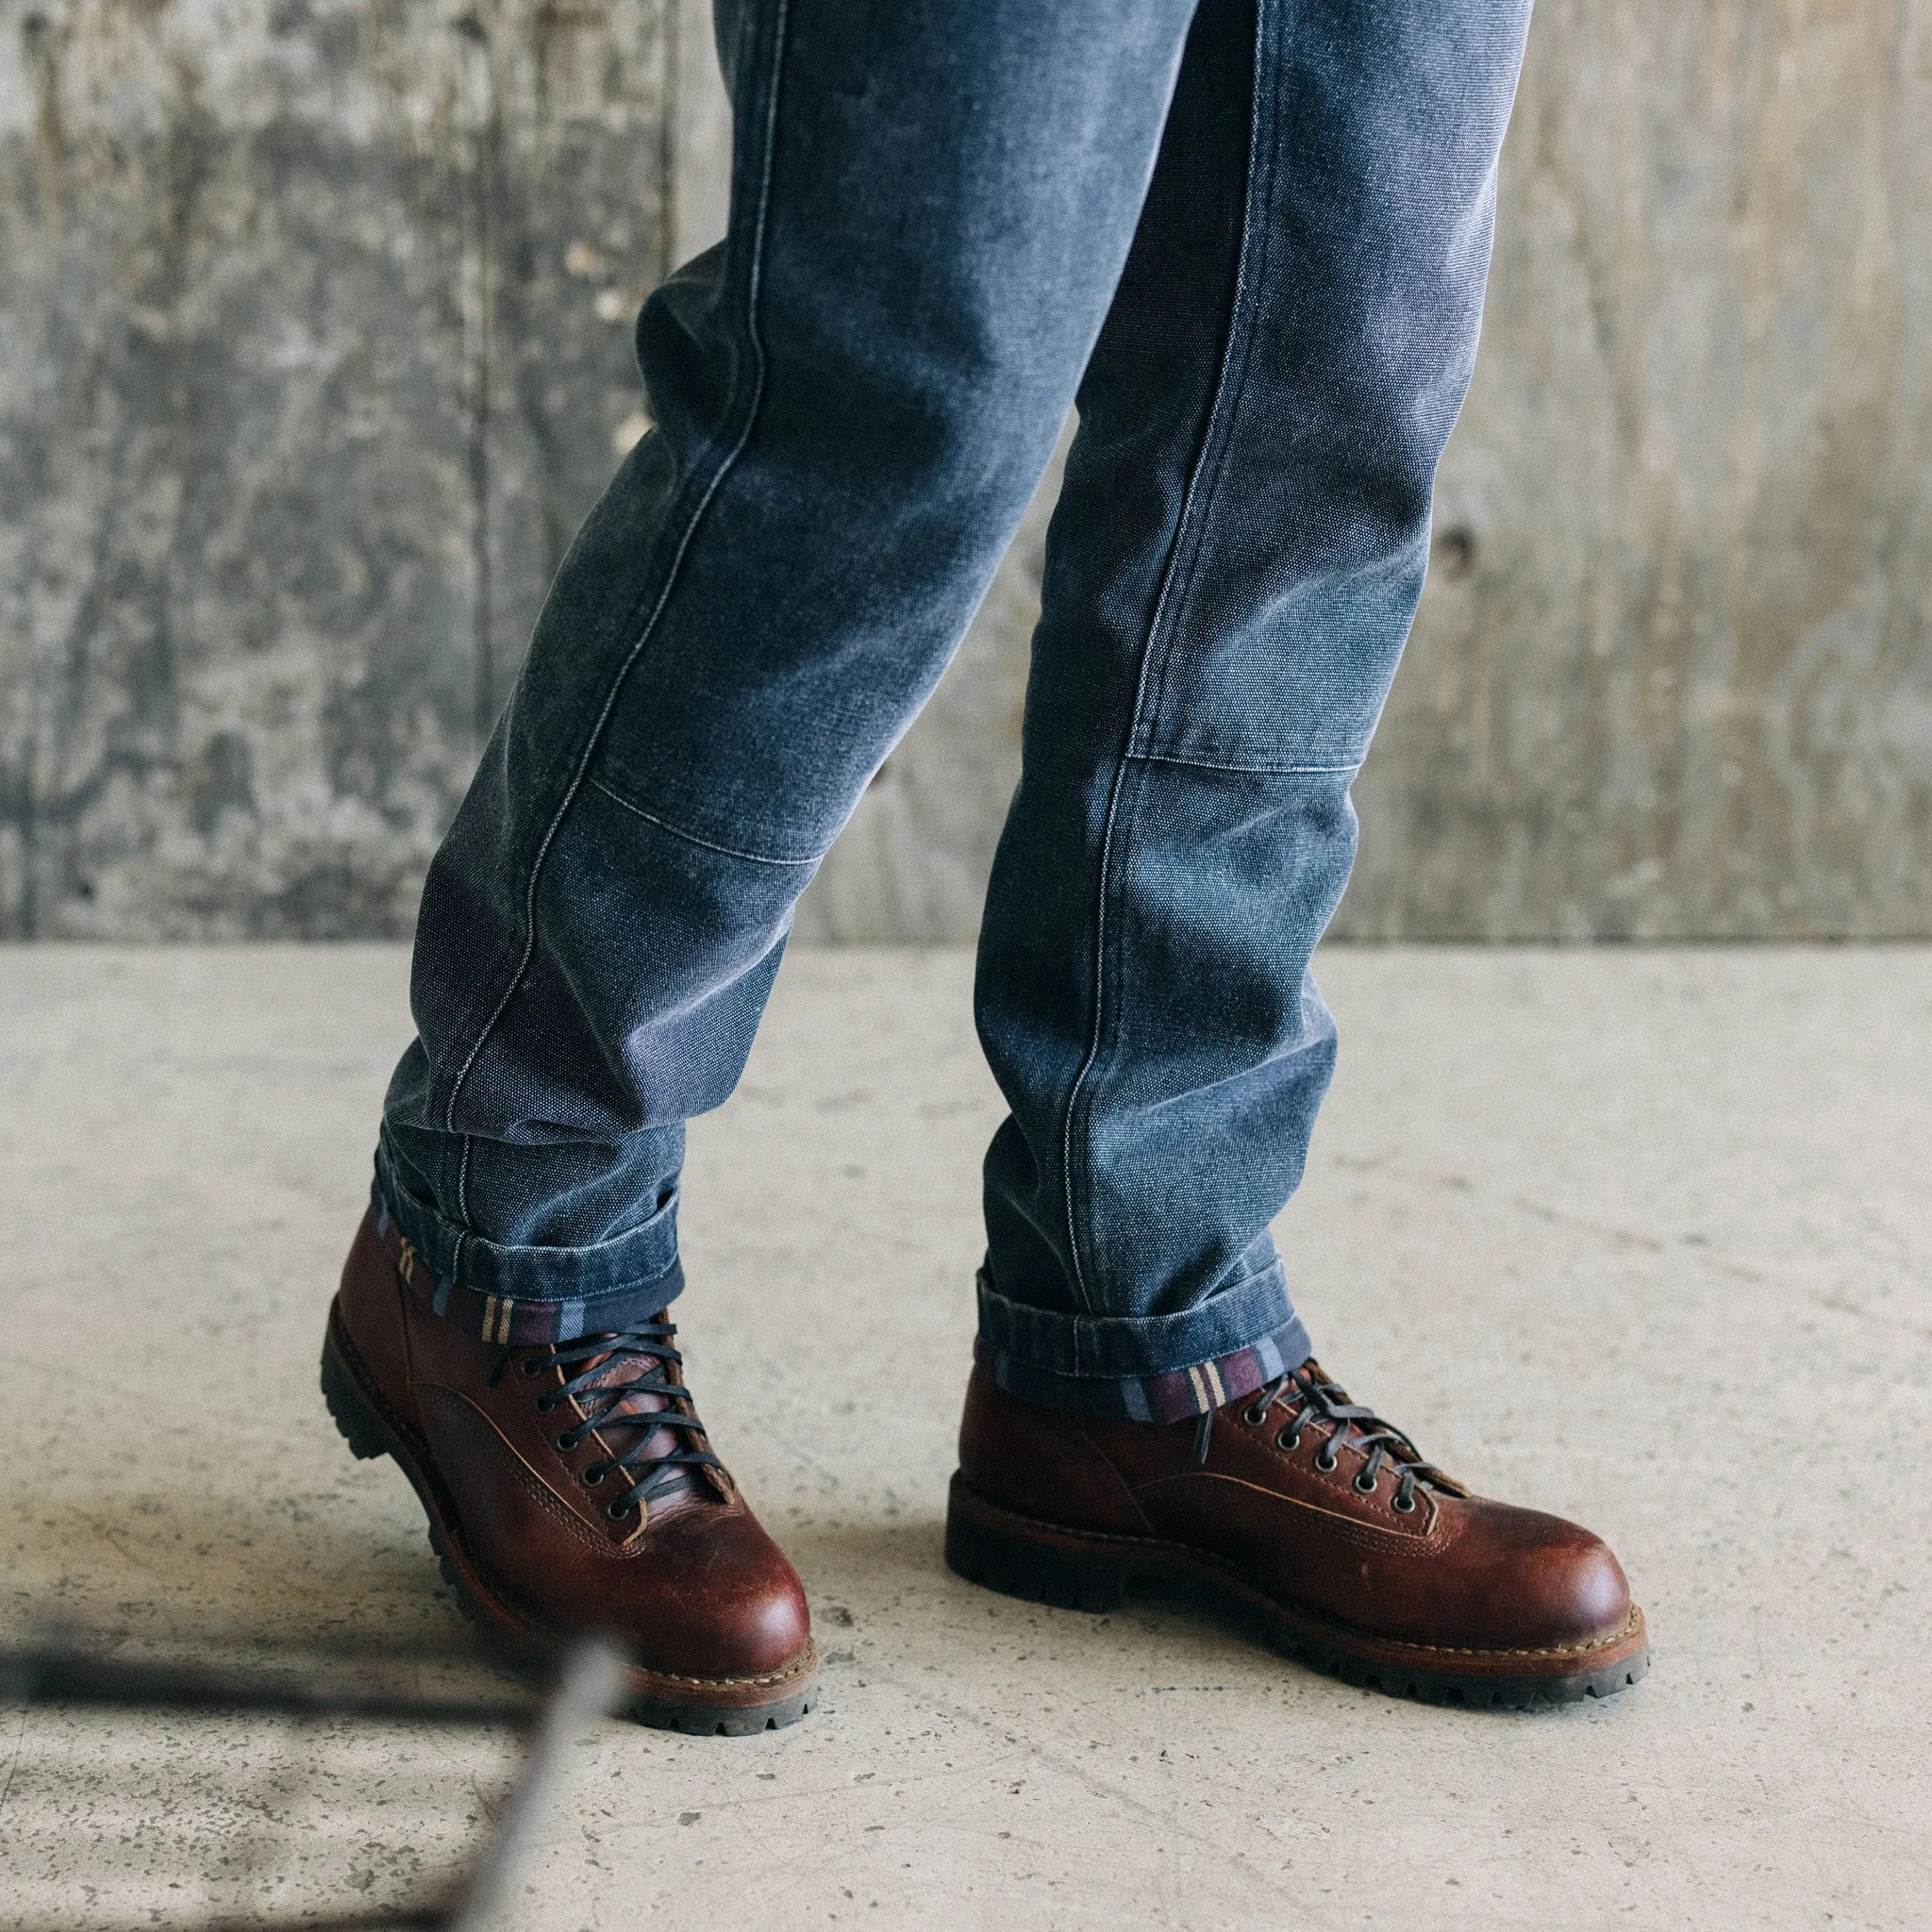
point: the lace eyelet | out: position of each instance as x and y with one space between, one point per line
567 1441
1253 1416
1326 1463
1363 1488
544 1405
617 1511
1402 1509
529 1366
594 1475
1289 1441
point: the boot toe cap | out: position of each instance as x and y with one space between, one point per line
717 1598
1549 1583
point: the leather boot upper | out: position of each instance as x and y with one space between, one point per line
687 1581
1280 1489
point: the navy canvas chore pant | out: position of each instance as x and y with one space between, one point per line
1248 240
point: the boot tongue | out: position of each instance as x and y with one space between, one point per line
617 1371
622 1418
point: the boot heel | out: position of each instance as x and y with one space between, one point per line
1044 1566
362 1428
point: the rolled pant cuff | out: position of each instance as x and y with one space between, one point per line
1130 1378
414 1234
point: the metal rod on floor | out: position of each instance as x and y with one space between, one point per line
592 1681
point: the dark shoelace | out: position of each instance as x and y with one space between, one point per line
1309 1399
602 1387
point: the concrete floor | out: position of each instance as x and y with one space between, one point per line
1637 1235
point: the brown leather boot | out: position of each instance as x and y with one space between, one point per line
1312 1519
571 1491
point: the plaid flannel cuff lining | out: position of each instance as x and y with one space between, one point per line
517 1321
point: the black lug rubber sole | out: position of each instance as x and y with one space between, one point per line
1044 1564
368 1436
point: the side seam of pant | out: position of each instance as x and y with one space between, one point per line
764 73
1183 550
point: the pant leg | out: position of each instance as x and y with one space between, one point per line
855 395
1231 574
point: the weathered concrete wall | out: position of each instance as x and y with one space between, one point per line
1673 675
313 345
313 351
